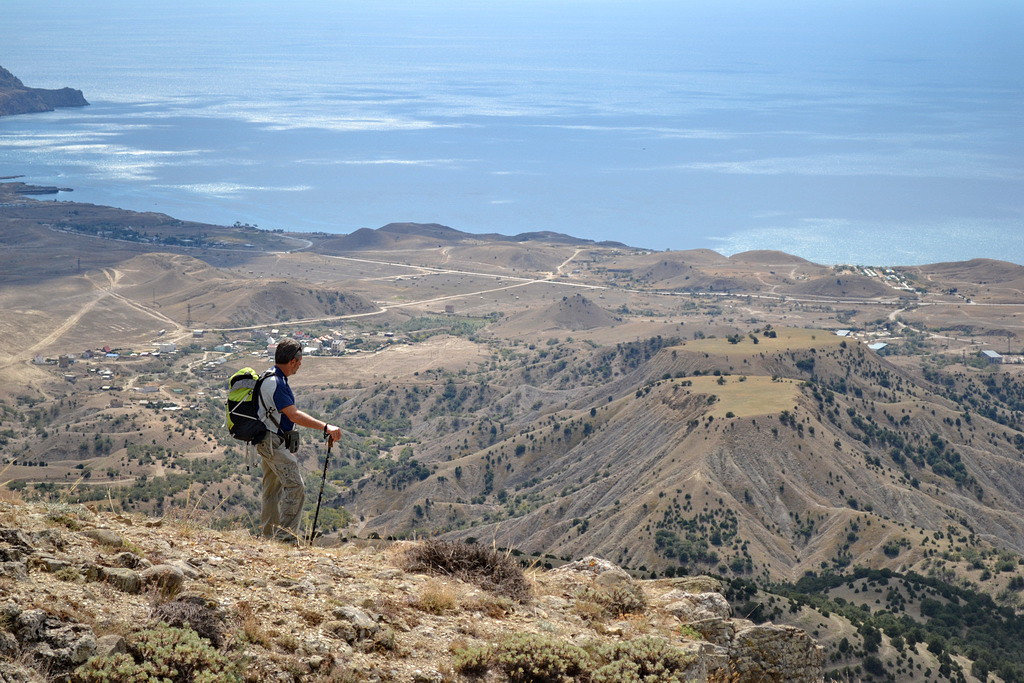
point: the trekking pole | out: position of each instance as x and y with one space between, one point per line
316 515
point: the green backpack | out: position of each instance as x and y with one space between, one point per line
242 418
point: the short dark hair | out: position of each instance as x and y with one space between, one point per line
287 350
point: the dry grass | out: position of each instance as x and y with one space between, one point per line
437 597
251 625
756 395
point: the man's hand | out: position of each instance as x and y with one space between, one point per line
333 433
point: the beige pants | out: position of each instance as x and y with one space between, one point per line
283 490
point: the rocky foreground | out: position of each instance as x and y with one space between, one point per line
87 595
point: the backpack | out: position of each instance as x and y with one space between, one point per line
242 419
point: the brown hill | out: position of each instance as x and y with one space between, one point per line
977 271
769 257
845 285
181 286
665 269
574 312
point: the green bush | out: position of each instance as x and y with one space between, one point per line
485 567
160 655
647 659
534 658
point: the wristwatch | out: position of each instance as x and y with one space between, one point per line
325 430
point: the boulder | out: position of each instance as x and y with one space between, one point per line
166 578
14 570
16 538
773 652
363 626
12 553
105 537
55 645
48 563
111 644
696 606
53 538
715 630
8 646
130 560
124 580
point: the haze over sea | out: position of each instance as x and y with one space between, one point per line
867 132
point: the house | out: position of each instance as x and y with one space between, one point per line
842 333
992 356
166 347
877 346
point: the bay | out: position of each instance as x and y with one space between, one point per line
839 131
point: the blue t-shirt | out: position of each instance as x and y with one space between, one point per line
276 393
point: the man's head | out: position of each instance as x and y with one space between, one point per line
288 356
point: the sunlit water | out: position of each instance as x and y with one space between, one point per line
866 134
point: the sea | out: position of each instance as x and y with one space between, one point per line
844 131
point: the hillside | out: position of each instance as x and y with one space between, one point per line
678 413
777 449
182 286
846 285
15 98
84 591
574 312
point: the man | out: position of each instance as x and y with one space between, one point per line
283 491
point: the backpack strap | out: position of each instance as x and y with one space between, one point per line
259 393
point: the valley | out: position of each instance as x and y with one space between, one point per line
797 429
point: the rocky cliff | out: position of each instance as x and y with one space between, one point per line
15 98
89 596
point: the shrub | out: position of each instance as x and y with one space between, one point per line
626 598
472 661
545 659
161 654
193 612
532 658
647 658
487 568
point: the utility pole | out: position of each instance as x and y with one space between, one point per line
188 320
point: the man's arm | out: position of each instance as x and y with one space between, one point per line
305 420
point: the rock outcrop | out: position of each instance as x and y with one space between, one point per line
15 98
80 587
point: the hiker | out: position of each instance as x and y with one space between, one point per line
283 492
